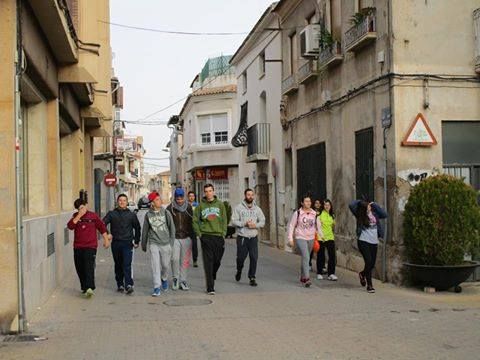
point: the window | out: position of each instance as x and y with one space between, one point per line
214 128
263 107
312 172
461 153
364 164
293 53
362 4
261 61
244 82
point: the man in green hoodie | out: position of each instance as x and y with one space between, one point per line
210 225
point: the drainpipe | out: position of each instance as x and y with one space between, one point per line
385 170
19 68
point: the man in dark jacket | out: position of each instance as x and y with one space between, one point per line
182 215
125 229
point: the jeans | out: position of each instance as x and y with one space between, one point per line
122 252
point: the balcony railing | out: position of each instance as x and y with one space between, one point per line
289 85
361 34
258 148
307 72
330 56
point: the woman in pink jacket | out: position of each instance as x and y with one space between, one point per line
302 228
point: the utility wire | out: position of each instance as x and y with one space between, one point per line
174 32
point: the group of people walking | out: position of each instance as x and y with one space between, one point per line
171 236
309 225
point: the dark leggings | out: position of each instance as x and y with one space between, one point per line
328 246
369 253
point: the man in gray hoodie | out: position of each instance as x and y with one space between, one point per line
248 218
158 234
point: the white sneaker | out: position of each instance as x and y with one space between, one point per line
319 277
184 286
332 277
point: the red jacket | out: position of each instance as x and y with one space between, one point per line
86 230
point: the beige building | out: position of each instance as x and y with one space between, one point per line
352 67
207 122
259 135
52 107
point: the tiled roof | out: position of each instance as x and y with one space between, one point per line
215 90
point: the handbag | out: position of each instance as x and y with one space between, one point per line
316 245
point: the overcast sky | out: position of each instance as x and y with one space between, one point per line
156 69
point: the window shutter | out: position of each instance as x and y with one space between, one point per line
204 124
219 122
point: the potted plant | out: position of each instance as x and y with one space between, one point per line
441 226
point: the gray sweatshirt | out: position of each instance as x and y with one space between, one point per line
244 213
158 228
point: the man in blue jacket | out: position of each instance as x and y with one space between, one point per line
125 230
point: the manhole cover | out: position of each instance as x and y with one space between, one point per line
22 338
187 302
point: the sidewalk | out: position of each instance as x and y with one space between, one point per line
277 320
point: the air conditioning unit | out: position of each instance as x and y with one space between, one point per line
310 40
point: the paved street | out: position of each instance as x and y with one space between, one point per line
277 320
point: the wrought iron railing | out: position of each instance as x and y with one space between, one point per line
307 70
329 53
368 25
258 139
289 83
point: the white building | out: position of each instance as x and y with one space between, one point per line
259 70
206 122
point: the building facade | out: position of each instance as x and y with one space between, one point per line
259 136
207 121
55 99
353 102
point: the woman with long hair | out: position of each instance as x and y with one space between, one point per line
327 242
369 230
317 206
302 229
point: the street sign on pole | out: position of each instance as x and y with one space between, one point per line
110 180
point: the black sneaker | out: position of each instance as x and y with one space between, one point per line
238 275
370 290
195 264
120 289
253 282
129 290
363 281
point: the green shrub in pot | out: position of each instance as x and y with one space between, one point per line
441 222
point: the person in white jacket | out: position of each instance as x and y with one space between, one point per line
248 218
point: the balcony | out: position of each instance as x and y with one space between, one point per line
258 148
330 56
307 72
55 22
289 85
361 34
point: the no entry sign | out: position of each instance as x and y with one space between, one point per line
110 179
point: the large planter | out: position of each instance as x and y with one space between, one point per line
441 277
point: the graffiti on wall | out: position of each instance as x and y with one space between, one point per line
415 176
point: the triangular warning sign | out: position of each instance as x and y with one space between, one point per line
419 134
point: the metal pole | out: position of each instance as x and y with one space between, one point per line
18 172
385 196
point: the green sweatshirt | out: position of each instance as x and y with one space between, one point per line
210 218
